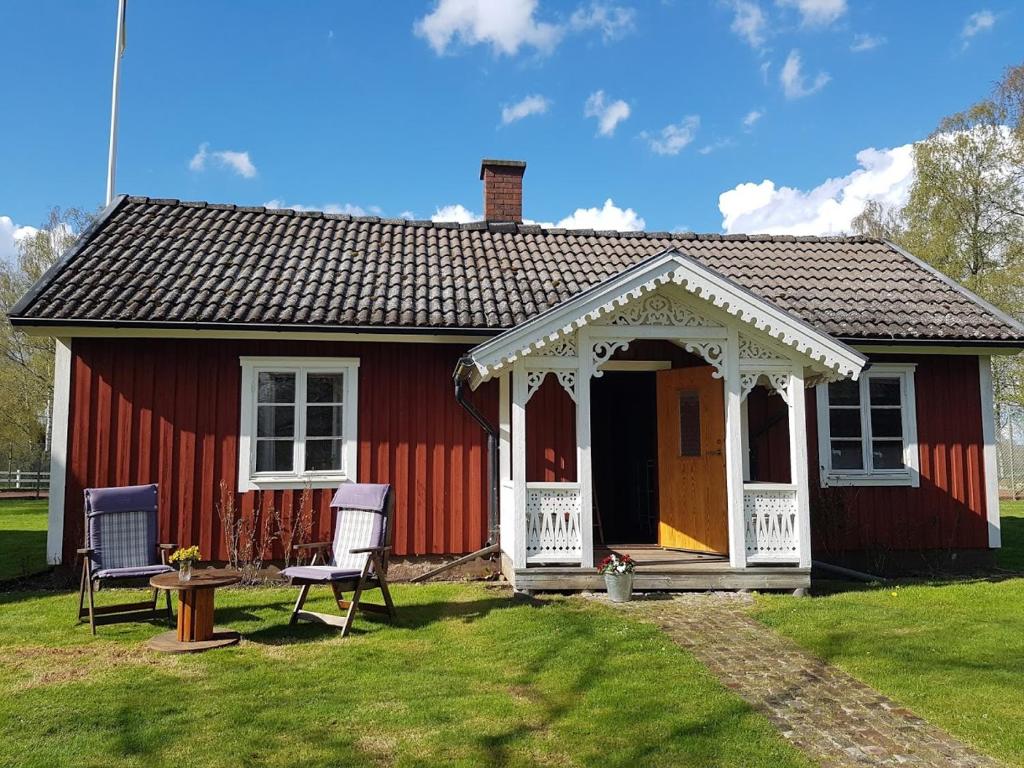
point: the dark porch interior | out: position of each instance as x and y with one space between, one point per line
625 457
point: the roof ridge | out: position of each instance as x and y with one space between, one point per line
511 227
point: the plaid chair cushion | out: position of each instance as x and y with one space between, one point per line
123 539
355 529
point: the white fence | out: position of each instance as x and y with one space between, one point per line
24 479
1010 449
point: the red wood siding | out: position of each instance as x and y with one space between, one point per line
167 411
948 510
550 434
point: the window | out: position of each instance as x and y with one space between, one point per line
867 429
299 420
689 423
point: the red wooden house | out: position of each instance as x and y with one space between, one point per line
724 407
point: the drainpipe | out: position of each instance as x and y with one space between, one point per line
492 448
493 533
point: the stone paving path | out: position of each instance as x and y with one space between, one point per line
833 717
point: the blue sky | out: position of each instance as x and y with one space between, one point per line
660 107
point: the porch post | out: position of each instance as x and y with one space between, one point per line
507 516
519 464
583 467
734 452
798 461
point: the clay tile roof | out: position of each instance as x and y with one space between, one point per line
165 262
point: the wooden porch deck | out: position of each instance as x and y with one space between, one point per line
661 569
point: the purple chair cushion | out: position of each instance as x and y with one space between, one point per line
320 573
365 496
128 573
122 527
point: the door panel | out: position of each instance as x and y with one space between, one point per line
693 500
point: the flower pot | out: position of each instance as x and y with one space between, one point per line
185 570
619 586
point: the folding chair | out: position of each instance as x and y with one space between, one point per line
356 561
120 544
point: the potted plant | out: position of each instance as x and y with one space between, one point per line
618 576
185 558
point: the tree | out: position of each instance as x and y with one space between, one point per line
965 212
26 362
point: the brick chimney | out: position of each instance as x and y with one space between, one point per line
503 189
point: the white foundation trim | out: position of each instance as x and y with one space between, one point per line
988 433
59 449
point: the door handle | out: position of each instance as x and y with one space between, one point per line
715 453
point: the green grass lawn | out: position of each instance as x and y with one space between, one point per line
952 652
22 538
469 676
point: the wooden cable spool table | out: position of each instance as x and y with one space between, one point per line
195 631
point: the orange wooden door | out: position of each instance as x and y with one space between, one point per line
691 461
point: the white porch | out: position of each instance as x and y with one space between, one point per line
547 529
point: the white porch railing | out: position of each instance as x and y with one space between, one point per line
770 514
553 533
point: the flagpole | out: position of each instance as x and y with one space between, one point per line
118 51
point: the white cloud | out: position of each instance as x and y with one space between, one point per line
506 26
750 119
749 22
239 162
982 21
671 139
884 175
608 113
349 208
614 21
457 213
609 216
531 105
816 13
865 42
716 145
10 235
794 82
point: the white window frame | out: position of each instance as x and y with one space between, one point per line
251 480
910 474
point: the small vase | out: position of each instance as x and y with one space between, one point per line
619 586
185 570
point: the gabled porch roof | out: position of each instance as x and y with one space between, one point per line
827 357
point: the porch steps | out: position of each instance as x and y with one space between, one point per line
699 577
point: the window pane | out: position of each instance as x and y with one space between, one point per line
887 454
844 393
323 455
274 455
844 422
325 388
275 421
884 391
847 454
324 421
689 424
886 422
276 388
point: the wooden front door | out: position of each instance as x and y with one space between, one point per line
693 499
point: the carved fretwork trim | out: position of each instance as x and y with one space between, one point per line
533 381
657 309
602 350
564 347
776 381
568 381
713 353
752 350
